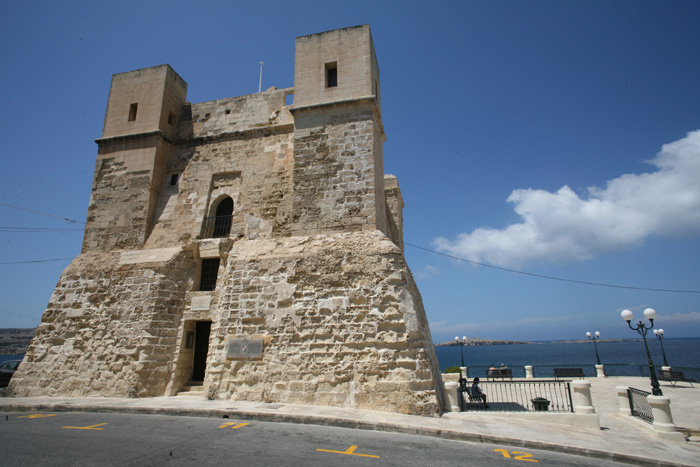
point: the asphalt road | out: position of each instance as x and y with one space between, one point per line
77 439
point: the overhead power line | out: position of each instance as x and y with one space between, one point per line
542 276
478 263
2 310
70 221
38 261
35 230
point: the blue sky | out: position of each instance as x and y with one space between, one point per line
549 137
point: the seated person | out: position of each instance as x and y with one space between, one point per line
477 393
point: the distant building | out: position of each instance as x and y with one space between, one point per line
248 248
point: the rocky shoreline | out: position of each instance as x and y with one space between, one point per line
15 340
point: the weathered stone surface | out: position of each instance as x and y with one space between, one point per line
108 329
243 217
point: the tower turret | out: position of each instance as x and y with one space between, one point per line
338 136
140 125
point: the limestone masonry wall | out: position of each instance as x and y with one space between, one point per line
248 246
344 323
108 329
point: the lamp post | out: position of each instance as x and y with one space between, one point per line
594 339
462 380
649 314
660 334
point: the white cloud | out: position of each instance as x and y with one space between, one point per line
562 226
678 318
428 272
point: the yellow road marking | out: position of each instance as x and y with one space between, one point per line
521 456
349 452
38 415
91 427
237 425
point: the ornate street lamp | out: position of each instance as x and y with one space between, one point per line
660 334
462 380
594 339
649 314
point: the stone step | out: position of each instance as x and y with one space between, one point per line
189 394
192 389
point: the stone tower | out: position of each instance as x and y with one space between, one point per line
250 247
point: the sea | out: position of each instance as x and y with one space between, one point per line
680 354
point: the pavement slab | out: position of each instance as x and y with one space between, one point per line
620 438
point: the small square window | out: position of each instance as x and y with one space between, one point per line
331 74
172 181
132 111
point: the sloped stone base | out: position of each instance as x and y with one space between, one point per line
340 316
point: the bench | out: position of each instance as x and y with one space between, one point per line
568 373
673 377
499 373
468 393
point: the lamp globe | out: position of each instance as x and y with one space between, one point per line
650 313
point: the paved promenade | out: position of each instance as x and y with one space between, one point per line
619 439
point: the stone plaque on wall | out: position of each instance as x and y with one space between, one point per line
201 303
244 347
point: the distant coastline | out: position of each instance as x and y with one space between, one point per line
477 341
579 341
15 340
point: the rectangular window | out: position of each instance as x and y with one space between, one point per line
132 111
210 270
171 118
331 74
173 180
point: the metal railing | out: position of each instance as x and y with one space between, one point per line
547 371
639 405
611 369
216 226
626 369
521 396
480 371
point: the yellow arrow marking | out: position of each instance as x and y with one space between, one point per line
238 425
91 427
349 452
38 415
